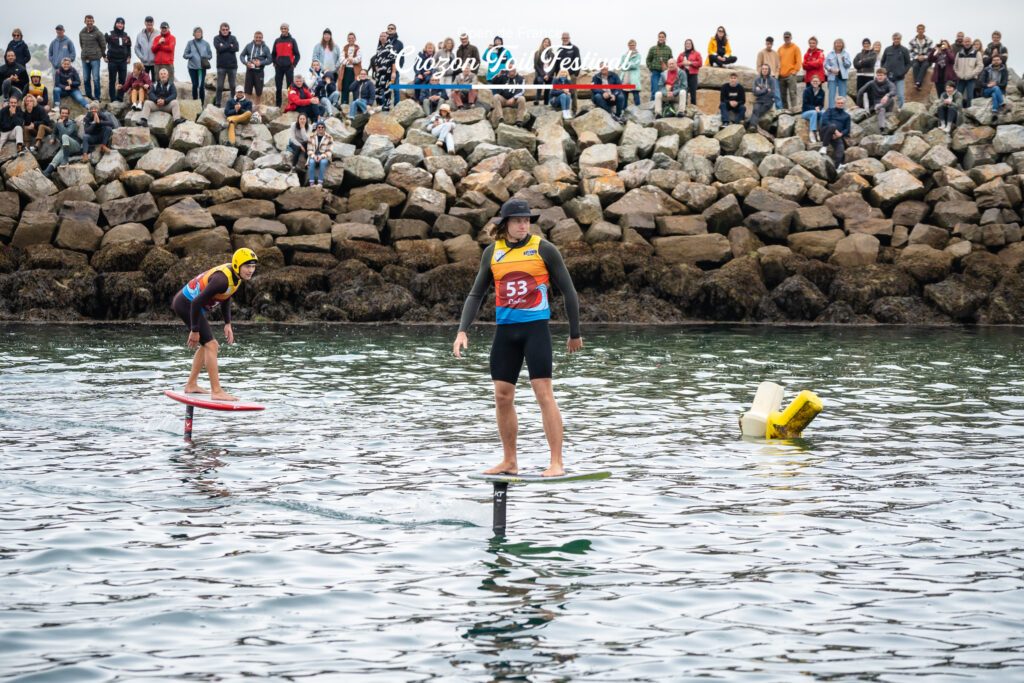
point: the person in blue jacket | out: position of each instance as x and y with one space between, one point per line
835 131
606 98
61 48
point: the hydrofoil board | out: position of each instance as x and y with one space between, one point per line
538 479
204 401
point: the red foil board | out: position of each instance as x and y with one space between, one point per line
205 402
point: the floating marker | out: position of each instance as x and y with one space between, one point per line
767 420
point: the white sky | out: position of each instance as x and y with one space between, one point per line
600 27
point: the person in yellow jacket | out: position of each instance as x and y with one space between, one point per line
719 49
195 300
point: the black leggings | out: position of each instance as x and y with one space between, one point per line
183 307
716 60
691 87
517 342
282 76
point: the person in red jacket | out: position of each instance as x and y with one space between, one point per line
814 62
285 56
302 99
163 50
689 62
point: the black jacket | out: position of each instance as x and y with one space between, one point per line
163 91
1000 76
514 82
226 49
896 60
21 53
8 70
119 47
9 121
567 57
730 92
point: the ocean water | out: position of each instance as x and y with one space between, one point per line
335 536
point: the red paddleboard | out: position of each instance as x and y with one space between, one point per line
204 401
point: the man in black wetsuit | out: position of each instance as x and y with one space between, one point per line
200 295
521 266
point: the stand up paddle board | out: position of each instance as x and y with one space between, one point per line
538 479
204 401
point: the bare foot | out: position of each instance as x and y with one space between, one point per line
195 389
505 467
553 471
222 396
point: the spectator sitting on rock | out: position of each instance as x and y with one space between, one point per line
561 99
163 96
319 150
65 131
813 106
881 96
327 92
670 100
37 90
733 107
99 128
12 122
37 123
464 99
435 97
67 83
512 95
995 46
835 131
441 126
950 105
302 99
363 94
138 84
994 79
606 98
720 50
13 76
298 138
920 48
764 98
237 110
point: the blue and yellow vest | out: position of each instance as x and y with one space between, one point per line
197 284
520 283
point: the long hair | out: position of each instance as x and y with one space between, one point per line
329 43
725 35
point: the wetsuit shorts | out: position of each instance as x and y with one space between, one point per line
183 307
516 342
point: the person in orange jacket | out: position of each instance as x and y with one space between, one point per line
789 66
719 49
163 50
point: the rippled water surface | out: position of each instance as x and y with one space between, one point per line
335 537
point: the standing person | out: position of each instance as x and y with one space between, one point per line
445 55
318 151
561 99
302 99
943 61
994 80
38 90
22 54
733 107
13 76
790 60
226 47
865 62
37 122
629 69
837 67
920 48
163 96
496 57
689 62
606 98
567 57
197 58
352 59
193 303
138 85
951 103
398 47
119 51
813 106
65 132
881 96
363 92
327 53
995 46
441 125
671 99
467 55
512 95
99 127
61 48
384 71
298 138
236 111
256 56
658 56
464 99
541 73
67 83
897 62
12 125
144 47
94 45
285 54
835 131
764 97
770 57
163 51
968 67
979 86
814 62
521 266
720 50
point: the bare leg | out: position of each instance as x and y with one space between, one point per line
192 387
553 429
216 391
508 427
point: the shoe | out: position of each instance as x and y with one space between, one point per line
143 122
179 121
32 149
823 151
566 115
840 168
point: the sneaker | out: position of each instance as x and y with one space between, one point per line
32 149
840 168
566 115
823 151
143 122
179 121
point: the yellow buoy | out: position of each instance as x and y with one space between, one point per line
792 421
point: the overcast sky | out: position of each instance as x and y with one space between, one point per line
600 27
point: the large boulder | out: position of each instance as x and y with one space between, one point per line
259 226
799 298
895 186
600 156
188 136
306 222
857 249
733 292
140 208
1009 139
425 204
371 196
201 242
925 263
361 170
386 124
265 183
816 244
110 167
127 232
598 122
132 142
185 182
161 162
724 214
467 137
79 236
644 200
32 185
861 286
229 212
211 154
35 227
705 251
184 216
76 175
957 296
729 169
